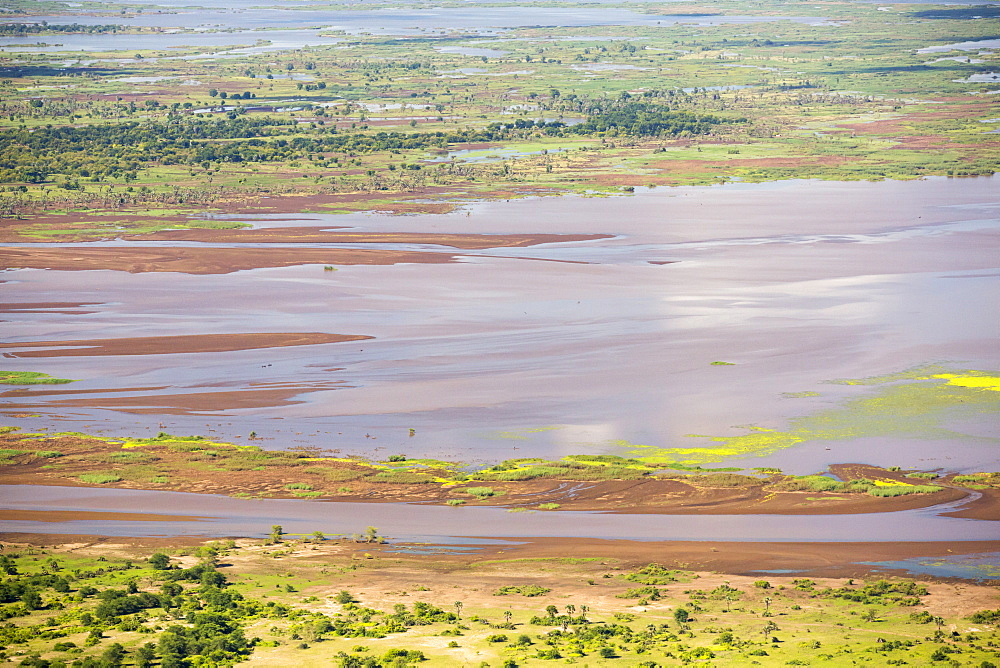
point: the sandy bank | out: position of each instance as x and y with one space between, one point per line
161 345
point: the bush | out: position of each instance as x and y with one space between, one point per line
298 485
497 637
986 617
524 590
651 593
480 492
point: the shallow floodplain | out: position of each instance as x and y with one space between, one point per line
602 344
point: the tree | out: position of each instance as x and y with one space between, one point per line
458 608
552 611
145 655
113 656
159 561
276 533
32 599
212 92
682 616
318 536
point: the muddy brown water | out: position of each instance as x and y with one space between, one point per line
554 349
224 516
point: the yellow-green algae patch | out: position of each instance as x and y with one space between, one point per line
913 404
982 382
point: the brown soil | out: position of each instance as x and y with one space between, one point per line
188 403
323 236
526 560
79 515
160 345
986 507
190 260
682 496
62 308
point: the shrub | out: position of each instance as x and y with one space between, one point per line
480 492
496 637
298 485
651 593
524 590
548 506
48 454
456 502
986 617
652 574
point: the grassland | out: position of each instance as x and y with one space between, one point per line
313 601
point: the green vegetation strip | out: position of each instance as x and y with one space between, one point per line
30 378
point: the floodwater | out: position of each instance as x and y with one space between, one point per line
562 348
408 20
226 516
279 40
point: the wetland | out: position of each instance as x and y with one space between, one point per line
508 333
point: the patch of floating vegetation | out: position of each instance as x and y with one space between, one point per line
913 403
800 395
31 378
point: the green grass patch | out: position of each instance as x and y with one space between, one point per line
31 378
401 477
298 486
99 478
903 490
480 492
